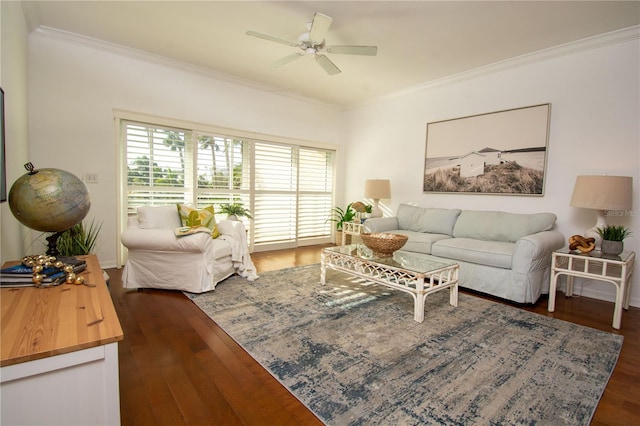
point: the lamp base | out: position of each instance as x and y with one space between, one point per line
376 211
593 231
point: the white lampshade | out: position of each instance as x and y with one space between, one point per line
377 189
602 193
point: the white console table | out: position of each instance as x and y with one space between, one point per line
59 351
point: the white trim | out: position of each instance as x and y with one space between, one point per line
594 42
121 213
208 128
118 49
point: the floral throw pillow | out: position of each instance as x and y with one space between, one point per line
193 218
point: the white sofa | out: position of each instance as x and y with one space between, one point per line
502 254
196 263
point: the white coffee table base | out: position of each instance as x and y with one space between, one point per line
418 284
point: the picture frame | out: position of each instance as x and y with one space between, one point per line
502 152
3 168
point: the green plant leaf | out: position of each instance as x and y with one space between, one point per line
614 233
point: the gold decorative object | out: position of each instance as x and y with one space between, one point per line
38 263
582 244
384 244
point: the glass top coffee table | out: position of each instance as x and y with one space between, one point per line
414 273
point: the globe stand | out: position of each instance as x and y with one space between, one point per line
52 245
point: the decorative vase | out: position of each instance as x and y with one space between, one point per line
612 247
232 217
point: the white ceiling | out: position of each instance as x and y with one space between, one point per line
418 41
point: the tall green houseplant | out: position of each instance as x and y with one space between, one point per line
340 216
79 240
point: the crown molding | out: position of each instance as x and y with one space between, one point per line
595 42
118 49
590 43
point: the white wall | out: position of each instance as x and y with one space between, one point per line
75 84
594 95
13 79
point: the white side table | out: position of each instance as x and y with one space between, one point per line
350 228
616 270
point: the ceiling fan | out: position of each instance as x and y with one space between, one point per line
312 43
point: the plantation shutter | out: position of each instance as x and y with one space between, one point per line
158 165
223 170
315 192
288 188
293 193
275 193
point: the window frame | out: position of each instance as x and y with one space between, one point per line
196 130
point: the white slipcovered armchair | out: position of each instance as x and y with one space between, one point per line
196 263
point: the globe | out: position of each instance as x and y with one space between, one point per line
49 200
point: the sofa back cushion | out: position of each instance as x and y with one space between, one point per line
158 217
501 226
432 220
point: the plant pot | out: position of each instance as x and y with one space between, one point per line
612 247
232 217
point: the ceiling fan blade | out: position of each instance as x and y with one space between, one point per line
272 38
327 65
287 59
319 27
353 50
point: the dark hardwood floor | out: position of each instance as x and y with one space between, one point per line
178 367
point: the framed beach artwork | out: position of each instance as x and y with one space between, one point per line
502 152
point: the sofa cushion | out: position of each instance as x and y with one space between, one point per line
158 217
432 220
419 242
501 226
192 217
490 253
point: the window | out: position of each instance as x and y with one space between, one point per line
288 187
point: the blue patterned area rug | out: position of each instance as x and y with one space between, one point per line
352 353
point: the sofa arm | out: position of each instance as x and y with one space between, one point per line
533 252
164 240
381 224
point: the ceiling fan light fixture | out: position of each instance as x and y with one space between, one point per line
312 43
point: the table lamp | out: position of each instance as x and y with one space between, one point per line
377 189
601 193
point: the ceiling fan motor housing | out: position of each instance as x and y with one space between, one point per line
308 46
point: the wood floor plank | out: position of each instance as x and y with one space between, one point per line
177 366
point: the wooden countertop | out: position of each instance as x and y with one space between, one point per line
41 322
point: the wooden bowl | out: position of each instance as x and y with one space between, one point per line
384 244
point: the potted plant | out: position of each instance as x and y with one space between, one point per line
79 240
363 211
612 238
340 216
235 211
